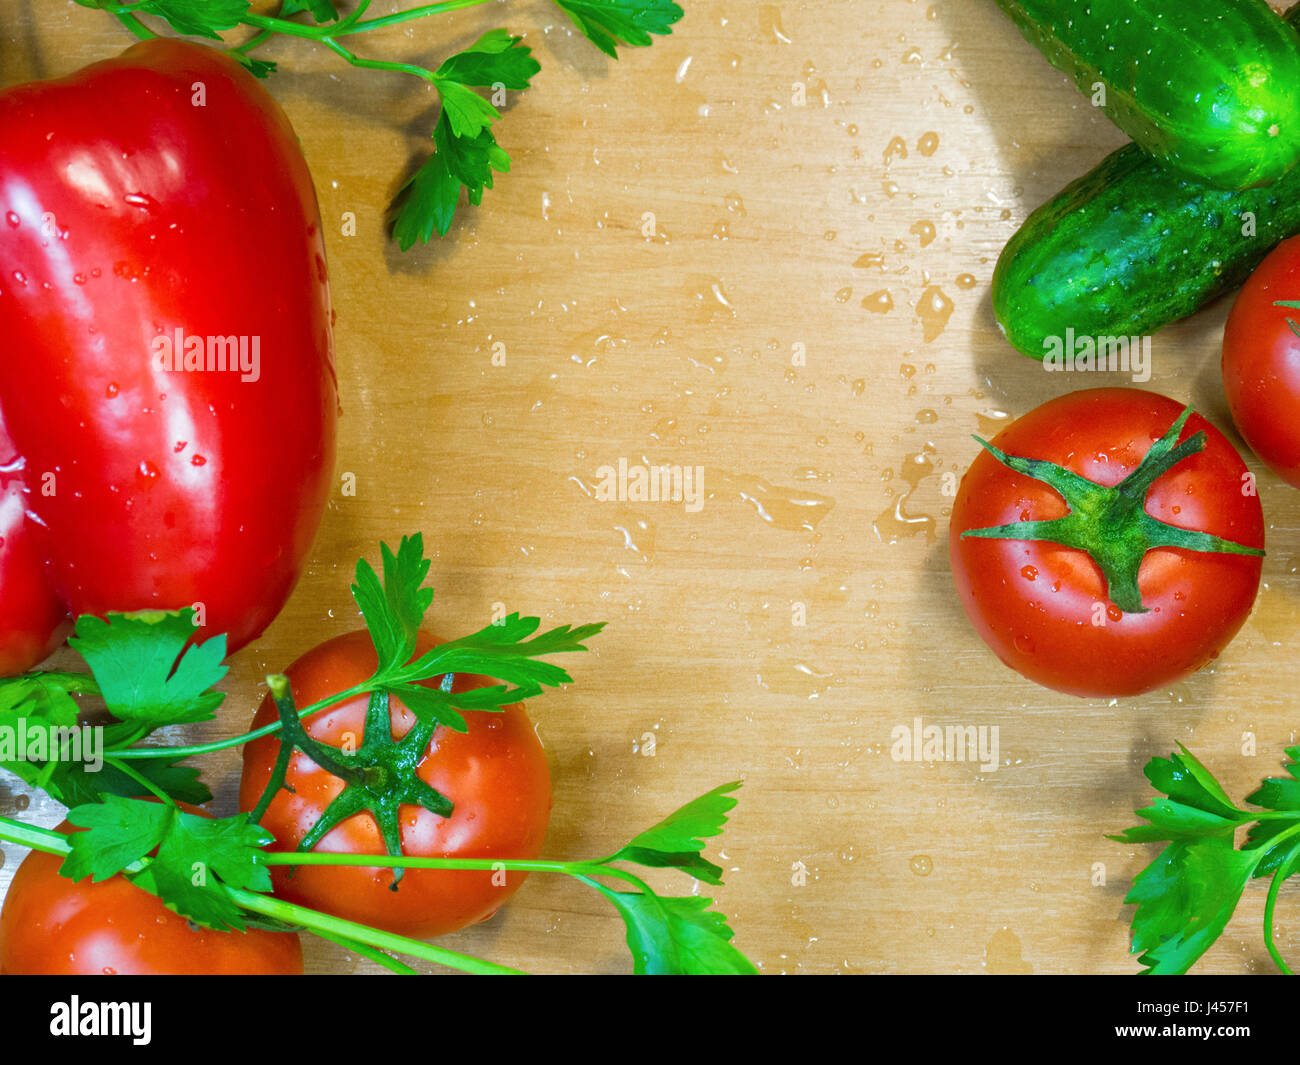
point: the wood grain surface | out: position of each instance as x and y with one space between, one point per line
761 247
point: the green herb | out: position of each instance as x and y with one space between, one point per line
666 934
1186 897
197 856
144 670
466 153
609 23
215 871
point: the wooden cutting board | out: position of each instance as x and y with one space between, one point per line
761 247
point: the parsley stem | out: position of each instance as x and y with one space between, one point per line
246 737
37 839
378 64
132 23
350 25
254 42
365 688
352 17
410 13
1284 870
326 34
403 861
141 779
367 951
580 870
270 906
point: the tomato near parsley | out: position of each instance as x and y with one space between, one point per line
1151 576
53 926
495 774
1261 361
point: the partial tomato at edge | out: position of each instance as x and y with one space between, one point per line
496 774
1043 608
53 926
1261 361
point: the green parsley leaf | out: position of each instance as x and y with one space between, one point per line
118 832
426 203
44 701
74 784
467 113
494 59
1182 777
434 706
609 23
197 18
677 840
465 151
1187 895
1261 836
259 68
471 160
502 650
671 936
1173 820
46 697
1185 899
394 609
320 10
1281 794
198 857
145 671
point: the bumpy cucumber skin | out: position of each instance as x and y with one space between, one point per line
1130 247
1212 87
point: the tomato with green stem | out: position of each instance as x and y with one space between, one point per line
1107 543
387 770
493 779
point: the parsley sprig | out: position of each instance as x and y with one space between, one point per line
466 153
145 672
216 872
1187 895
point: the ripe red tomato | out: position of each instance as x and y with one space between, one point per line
1261 361
496 774
160 200
1044 608
53 926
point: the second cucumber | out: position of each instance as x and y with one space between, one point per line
1130 247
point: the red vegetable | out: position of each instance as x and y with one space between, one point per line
31 616
1261 361
1114 603
495 774
53 926
160 199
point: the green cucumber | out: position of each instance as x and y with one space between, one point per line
1212 87
1130 247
